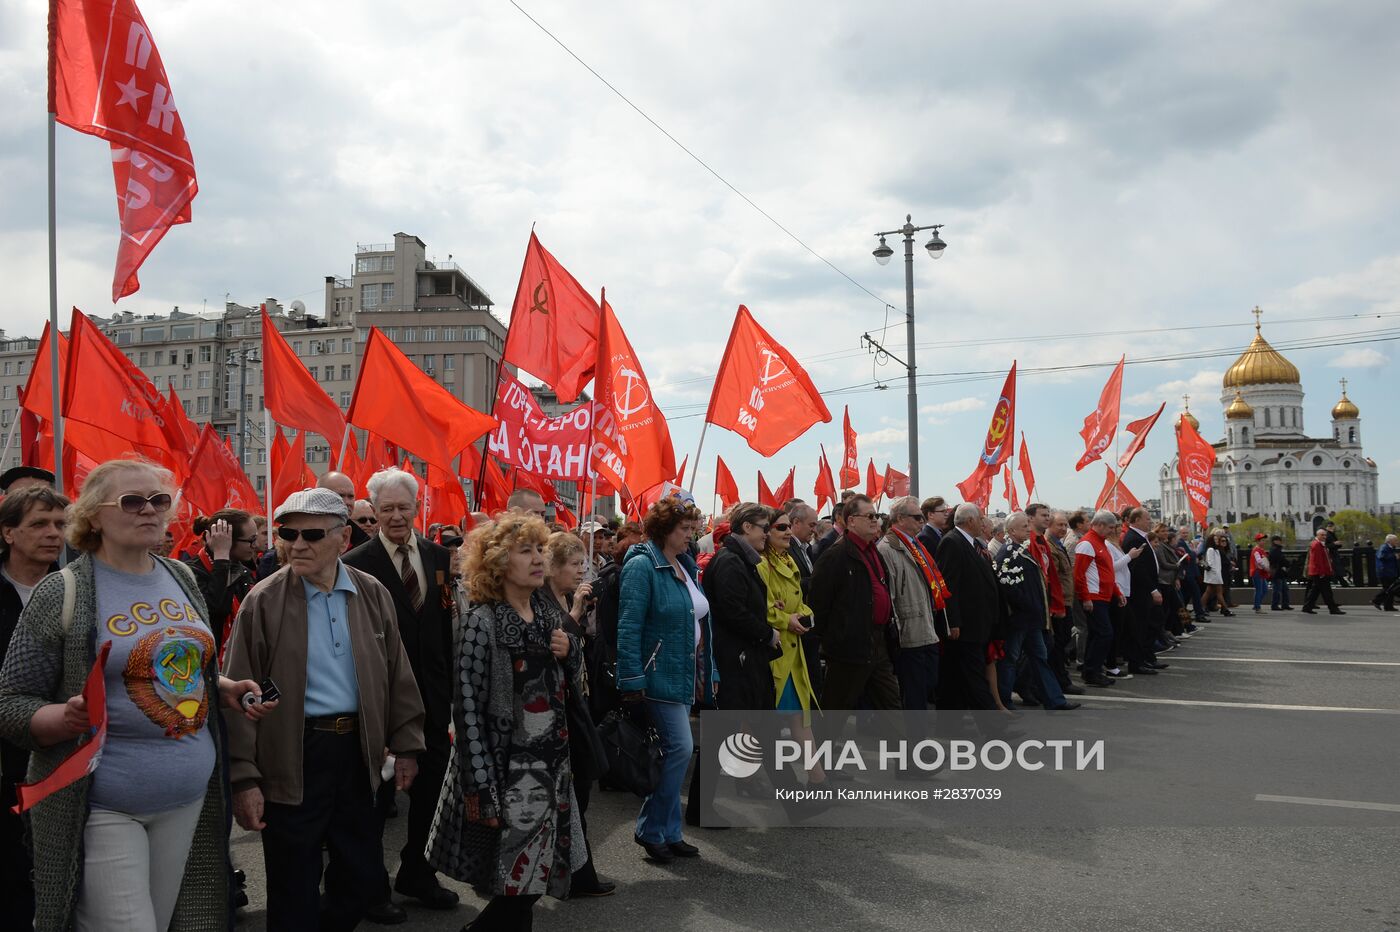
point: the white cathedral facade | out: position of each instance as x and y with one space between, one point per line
1266 465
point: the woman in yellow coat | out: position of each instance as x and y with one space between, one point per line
792 619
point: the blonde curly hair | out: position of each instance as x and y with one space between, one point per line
561 547
101 484
488 552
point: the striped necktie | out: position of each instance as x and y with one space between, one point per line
410 580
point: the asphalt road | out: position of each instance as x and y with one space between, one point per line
1046 879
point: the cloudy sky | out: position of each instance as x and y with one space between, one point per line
1113 177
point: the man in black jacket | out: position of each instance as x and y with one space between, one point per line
936 513
1278 576
416 572
974 608
1144 599
32 521
854 614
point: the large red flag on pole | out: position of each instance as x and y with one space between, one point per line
106 79
1139 429
553 330
850 459
632 443
761 392
1195 461
824 490
996 446
93 442
401 403
1115 496
1102 422
293 397
1023 463
725 486
216 478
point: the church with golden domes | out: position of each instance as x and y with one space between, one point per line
1266 465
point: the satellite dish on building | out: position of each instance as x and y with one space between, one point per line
298 308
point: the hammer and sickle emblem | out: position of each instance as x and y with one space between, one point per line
625 407
541 299
769 358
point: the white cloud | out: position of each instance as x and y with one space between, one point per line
1362 357
956 406
885 435
1204 385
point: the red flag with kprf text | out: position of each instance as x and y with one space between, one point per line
632 442
850 460
106 79
1195 466
1102 422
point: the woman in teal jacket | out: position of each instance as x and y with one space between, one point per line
664 658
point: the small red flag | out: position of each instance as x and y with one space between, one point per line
1115 496
292 396
1195 464
289 470
996 447
825 488
1139 429
874 482
725 486
84 760
398 401
850 461
896 484
106 79
1102 422
761 392
1009 488
554 324
765 494
188 430
1024 464
788 490
566 518
216 479
632 443
444 502
680 473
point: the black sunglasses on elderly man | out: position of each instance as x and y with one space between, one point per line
311 534
133 504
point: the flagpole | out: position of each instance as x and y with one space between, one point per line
344 445
10 438
588 460
55 388
699 447
267 469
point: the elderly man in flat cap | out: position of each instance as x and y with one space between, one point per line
324 633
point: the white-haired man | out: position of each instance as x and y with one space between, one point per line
1095 586
918 591
416 572
973 606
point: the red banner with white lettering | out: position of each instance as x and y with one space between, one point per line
106 79
850 459
631 441
1195 462
524 436
1102 422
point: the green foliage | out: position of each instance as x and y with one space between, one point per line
1244 531
1353 526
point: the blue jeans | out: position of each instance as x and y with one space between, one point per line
659 822
1100 639
1019 636
1280 598
1261 589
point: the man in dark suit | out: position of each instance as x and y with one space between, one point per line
936 513
974 606
416 572
1144 599
344 486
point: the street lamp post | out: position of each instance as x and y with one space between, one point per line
244 355
882 254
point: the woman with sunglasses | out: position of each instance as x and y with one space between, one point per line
139 843
223 566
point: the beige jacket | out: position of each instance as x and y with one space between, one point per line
269 640
909 591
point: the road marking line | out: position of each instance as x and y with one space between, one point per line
1343 663
1335 803
1241 705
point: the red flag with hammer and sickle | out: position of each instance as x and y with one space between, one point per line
996 447
1102 422
553 331
632 443
106 79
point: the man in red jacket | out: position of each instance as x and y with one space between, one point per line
1095 586
1320 576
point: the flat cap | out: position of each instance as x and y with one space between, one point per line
312 502
16 473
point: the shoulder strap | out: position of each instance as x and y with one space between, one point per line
70 596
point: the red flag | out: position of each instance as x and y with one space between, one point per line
725 486
444 502
216 479
398 401
104 389
765 494
1024 464
565 517
1009 488
289 470
996 447
30 432
680 473
874 482
1102 422
788 490
554 324
825 488
240 491
761 392
495 489
84 760
896 483
850 463
1139 429
351 465
187 428
1115 496
632 444
525 480
106 79
292 396
1195 461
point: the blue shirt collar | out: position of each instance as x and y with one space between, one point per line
343 583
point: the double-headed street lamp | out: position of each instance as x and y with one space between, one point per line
882 253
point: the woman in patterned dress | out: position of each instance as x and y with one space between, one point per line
507 819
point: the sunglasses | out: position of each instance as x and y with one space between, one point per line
245 540
781 527
451 542
365 520
134 504
311 535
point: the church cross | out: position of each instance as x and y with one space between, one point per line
1344 386
1258 313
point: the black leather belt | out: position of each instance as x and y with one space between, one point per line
337 724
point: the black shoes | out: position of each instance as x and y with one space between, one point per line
660 854
601 888
1100 680
387 913
1069 689
1309 611
1335 611
683 849
1067 707
427 891
1142 671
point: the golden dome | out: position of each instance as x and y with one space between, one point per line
1239 409
1191 419
1260 364
1346 408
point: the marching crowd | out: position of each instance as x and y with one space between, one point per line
296 690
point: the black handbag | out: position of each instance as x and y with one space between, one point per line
634 753
587 752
